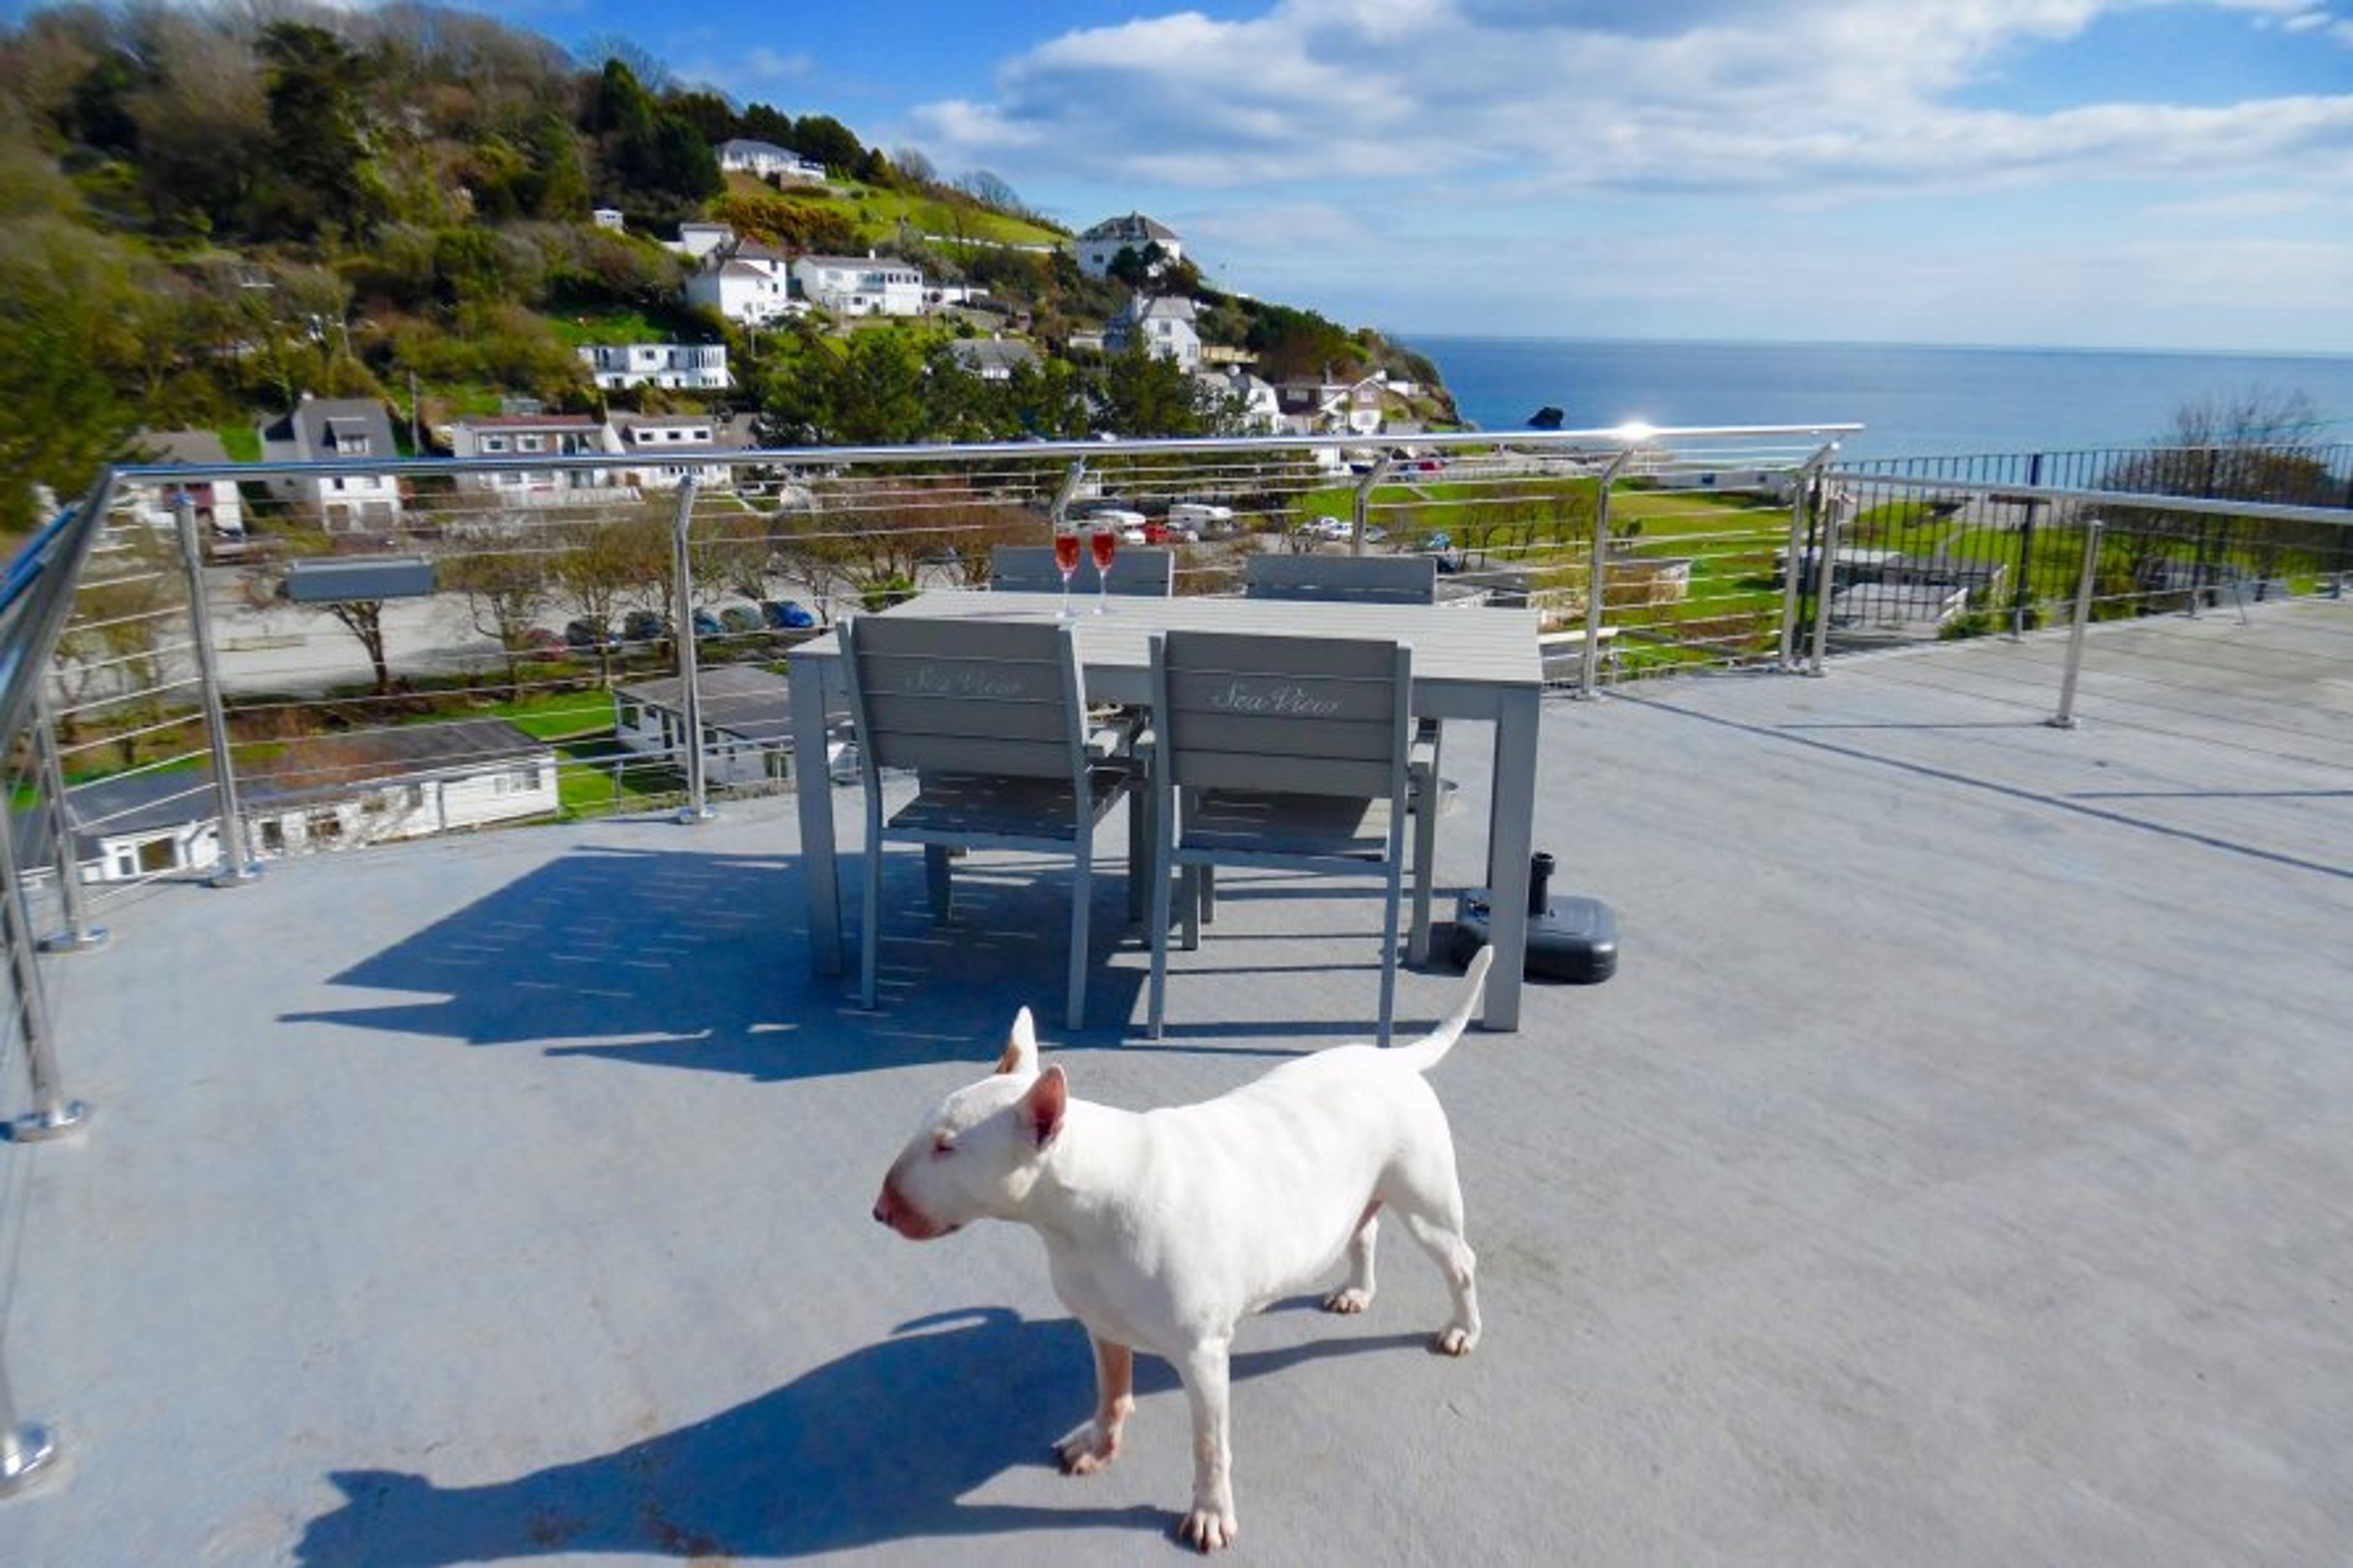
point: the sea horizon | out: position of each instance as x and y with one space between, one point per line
1913 399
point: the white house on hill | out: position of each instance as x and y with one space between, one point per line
860 285
697 367
1100 245
745 281
529 436
1165 325
217 503
746 156
325 430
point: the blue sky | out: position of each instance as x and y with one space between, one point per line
2110 172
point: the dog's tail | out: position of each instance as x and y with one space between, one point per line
1430 1050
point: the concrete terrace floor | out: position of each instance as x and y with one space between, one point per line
1954 1172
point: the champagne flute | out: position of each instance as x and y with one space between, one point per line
1066 561
1104 542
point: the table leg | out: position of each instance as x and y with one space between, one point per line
813 797
1511 832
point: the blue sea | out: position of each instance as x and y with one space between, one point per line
1912 401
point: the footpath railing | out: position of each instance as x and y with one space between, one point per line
207 668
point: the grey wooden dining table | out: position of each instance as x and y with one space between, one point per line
1475 663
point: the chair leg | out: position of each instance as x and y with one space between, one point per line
1139 851
1425 858
1389 957
867 955
1082 899
1157 929
936 886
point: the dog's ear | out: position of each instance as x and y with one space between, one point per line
1020 1047
1043 1105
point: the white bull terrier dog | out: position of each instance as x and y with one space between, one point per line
1163 1228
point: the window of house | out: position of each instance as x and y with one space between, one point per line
273 836
324 827
530 443
159 854
494 443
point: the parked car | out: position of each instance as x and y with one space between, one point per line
587 636
539 643
1208 519
644 625
1441 544
1157 532
707 625
787 614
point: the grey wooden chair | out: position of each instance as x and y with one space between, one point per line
992 718
1282 753
1362 579
1144 570
1375 579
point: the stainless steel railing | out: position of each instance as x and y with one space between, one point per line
170 709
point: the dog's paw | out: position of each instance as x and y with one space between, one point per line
1085 1448
1349 1301
1208 1529
1455 1340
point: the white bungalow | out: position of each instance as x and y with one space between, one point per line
666 445
746 715
866 285
744 155
327 792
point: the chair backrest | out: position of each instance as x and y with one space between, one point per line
1025 569
968 697
1299 715
1147 570
1366 579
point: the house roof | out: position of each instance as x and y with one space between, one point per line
315 769
743 700
750 147
525 422
992 354
181 446
1133 227
320 426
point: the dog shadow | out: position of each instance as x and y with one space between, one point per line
851 1454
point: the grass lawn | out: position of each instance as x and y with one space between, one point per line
878 214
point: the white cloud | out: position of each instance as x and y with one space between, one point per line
1572 96
1832 167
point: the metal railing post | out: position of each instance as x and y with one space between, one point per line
1825 575
1810 499
24 1450
1596 585
1380 470
80 935
53 1115
2085 583
697 807
1060 511
235 865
